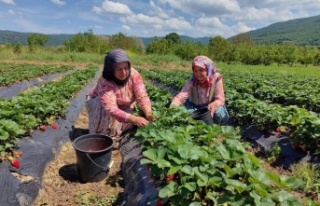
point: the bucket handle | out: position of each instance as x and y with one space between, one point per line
104 168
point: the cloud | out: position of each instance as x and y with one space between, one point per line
125 27
8 2
58 2
204 7
158 11
178 24
11 12
110 7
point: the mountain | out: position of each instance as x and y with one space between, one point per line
12 37
303 31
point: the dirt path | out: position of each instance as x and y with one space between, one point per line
61 185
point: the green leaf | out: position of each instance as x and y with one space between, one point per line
4 135
156 157
191 186
187 169
235 184
224 152
174 170
195 204
169 190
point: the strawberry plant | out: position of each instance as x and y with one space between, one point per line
209 163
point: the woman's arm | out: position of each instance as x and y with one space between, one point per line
140 93
219 97
182 96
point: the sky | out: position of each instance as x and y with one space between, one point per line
150 18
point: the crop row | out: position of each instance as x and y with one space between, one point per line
13 73
38 106
285 90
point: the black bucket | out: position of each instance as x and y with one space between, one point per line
93 153
202 114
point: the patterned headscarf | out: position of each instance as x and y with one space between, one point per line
111 59
207 64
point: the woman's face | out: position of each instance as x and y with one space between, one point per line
199 73
121 70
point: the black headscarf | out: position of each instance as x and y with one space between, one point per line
112 58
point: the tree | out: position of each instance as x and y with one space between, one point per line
159 46
36 40
306 55
173 38
120 40
290 53
217 47
87 42
188 50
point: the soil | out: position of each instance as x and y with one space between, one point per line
61 184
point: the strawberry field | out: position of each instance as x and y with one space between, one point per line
189 162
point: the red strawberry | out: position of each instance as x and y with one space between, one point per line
159 203
170 178
43 128
53 125
295 145
278 130
15 163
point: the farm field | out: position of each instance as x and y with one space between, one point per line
279 101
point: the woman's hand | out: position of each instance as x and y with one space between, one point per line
150 116
137 120
212 108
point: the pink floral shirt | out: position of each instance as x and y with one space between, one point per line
219 97
117 100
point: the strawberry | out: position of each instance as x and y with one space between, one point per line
295 145
53 125
170 178
19 153
15 163
43 128
159 203
278 130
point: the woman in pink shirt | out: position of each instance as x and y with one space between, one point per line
111 101
204 90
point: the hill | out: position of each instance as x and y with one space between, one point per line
303 31
12 37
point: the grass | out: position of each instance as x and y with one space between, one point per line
308 173
285 70
166 62
50 55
